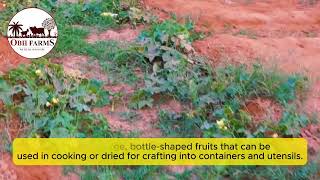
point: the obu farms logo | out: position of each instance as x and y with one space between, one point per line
32 33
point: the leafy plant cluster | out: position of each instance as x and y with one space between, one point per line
166 40
170 31
52 103
122 62
216 97
217 102
161 48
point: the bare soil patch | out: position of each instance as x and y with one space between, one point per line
11 172
262 109
312 134
126 34
144 122
81 67
8 58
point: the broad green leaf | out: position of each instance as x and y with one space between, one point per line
59 133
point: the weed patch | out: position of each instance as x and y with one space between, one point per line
216 96
217 99
53 104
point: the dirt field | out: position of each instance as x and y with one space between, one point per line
282 34
277 33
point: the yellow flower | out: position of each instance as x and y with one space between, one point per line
191 114
55 101
105 14
38 72
221 124
48 104
275 135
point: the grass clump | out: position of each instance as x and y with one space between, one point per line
170 32
215 97
52 103
95 13
140 99
124 63
71 40
217 100
182 125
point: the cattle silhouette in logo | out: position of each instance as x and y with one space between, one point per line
37 31
24 33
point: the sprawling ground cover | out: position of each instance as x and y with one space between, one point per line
158 79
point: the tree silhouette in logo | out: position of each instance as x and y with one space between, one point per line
15 28
48 24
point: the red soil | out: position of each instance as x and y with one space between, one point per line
278 33
312 134
274 18
145 121
8 58
13 172
2 6
285 34
9 171
80 67
264 109
11 129
126 34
